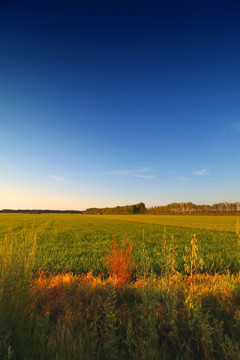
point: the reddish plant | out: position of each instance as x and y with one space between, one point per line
119 262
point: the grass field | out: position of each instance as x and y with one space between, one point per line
78 243
71 313
218 223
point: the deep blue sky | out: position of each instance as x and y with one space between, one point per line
105 103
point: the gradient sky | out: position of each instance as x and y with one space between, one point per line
106 103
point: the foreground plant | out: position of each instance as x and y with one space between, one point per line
119 262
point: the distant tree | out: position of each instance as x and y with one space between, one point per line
140 208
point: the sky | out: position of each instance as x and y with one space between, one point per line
106 103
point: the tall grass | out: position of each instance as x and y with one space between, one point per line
92 319
17 257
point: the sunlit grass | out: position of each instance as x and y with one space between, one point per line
150 318
207 222
77 243
177 315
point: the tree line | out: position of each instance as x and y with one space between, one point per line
36 211
170 209
183 208
118 210
191 208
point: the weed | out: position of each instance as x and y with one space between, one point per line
119 263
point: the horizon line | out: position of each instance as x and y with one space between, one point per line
110 207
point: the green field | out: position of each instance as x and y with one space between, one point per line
55 314
78 243
220 223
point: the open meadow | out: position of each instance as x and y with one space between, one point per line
69 292
78 243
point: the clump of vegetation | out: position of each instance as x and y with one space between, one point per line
17 255
119 262
192 261
145 319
